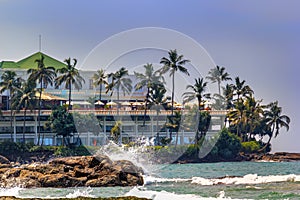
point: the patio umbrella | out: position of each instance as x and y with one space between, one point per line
111 103
99 103
137 103
126 103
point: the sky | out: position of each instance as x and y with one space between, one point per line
259 41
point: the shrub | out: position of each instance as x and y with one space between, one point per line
250 147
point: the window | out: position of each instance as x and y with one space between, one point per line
91 84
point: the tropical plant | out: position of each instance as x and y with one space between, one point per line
203 126
119 80
240 89
44 76
174 124
275 120
197 92
61 122
25 98
10 83
148 80
100 79
172 64
217 75
70 76
115 132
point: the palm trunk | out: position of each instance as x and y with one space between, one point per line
11 118
219 87
146 101
158 143
172 108
24 125
100 92
39 114
70 91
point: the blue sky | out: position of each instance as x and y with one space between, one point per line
256 40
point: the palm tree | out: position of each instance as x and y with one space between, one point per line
99 79
147 80
217 75
174 124
119 80
275 120
241 89
25 98
228 91
198 90
70 76
173 64
44 76
10 83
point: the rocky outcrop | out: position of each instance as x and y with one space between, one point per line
93 171
275 157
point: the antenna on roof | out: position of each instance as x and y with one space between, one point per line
40 43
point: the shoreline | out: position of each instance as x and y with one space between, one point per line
77 198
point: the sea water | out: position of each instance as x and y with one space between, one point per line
224 180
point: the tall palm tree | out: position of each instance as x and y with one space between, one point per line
70 76
25 99
275 120
148 80
197 92
241 90
172 64
119 80
99 79
217 75
44 75
10 83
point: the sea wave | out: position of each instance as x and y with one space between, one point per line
83 192
10 191
227 180
142 192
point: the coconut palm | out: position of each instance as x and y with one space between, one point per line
197 92
240 89
217 75
119 81
70 76
275 120
172 64
10 83
99 79
174 124
44 75
25 99
148 80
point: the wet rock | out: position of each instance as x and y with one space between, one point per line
93 171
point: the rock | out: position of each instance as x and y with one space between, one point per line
4 160
93 171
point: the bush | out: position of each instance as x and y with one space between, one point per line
250 147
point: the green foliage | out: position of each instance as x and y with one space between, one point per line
116 132
65 151
228 145
250 147
61 122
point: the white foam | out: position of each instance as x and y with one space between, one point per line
10 191
163 195
85 192
151 179
247 179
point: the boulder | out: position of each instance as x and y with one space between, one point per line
93 171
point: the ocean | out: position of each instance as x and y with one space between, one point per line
224 180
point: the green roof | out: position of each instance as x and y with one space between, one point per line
29 62
8 65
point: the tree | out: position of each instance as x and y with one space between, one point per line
217 75
61 122
173 64
10 83
148 80
44 76
119 80
25 99
70 76
99 79
203 126
197 92
240 89
115 132
275 120
174 124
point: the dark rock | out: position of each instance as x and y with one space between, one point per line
94 171
4 160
